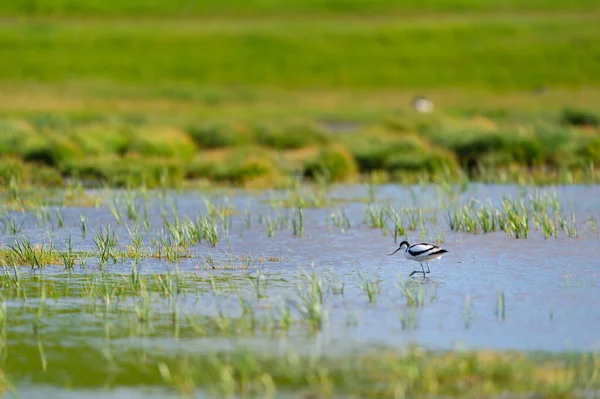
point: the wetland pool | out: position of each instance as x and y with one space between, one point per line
134 293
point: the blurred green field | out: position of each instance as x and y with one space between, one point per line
506 52
254 7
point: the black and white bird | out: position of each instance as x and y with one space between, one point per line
421 253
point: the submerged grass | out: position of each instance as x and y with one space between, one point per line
247 373
23 253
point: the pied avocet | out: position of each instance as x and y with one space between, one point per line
421 253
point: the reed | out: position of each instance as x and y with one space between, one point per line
371 287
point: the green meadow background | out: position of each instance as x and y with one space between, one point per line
262 92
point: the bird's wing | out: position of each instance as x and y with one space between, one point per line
421 249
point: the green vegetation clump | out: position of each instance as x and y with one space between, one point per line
399 153
334 163
221 135
165 142
292 135
577 117
130 170
246 166
495 148
280 136
591 151
247 153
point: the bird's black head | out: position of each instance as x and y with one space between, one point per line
403 244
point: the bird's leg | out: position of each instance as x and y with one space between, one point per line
428 269
418 271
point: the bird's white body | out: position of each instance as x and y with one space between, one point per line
421 252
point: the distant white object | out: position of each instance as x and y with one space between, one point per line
423 105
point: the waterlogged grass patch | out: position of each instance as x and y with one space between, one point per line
248 373
515 217
23 253
25 197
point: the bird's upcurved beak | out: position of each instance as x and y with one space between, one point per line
394 252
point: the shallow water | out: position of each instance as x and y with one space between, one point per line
490 291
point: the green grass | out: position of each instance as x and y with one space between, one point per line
258 7
500 52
